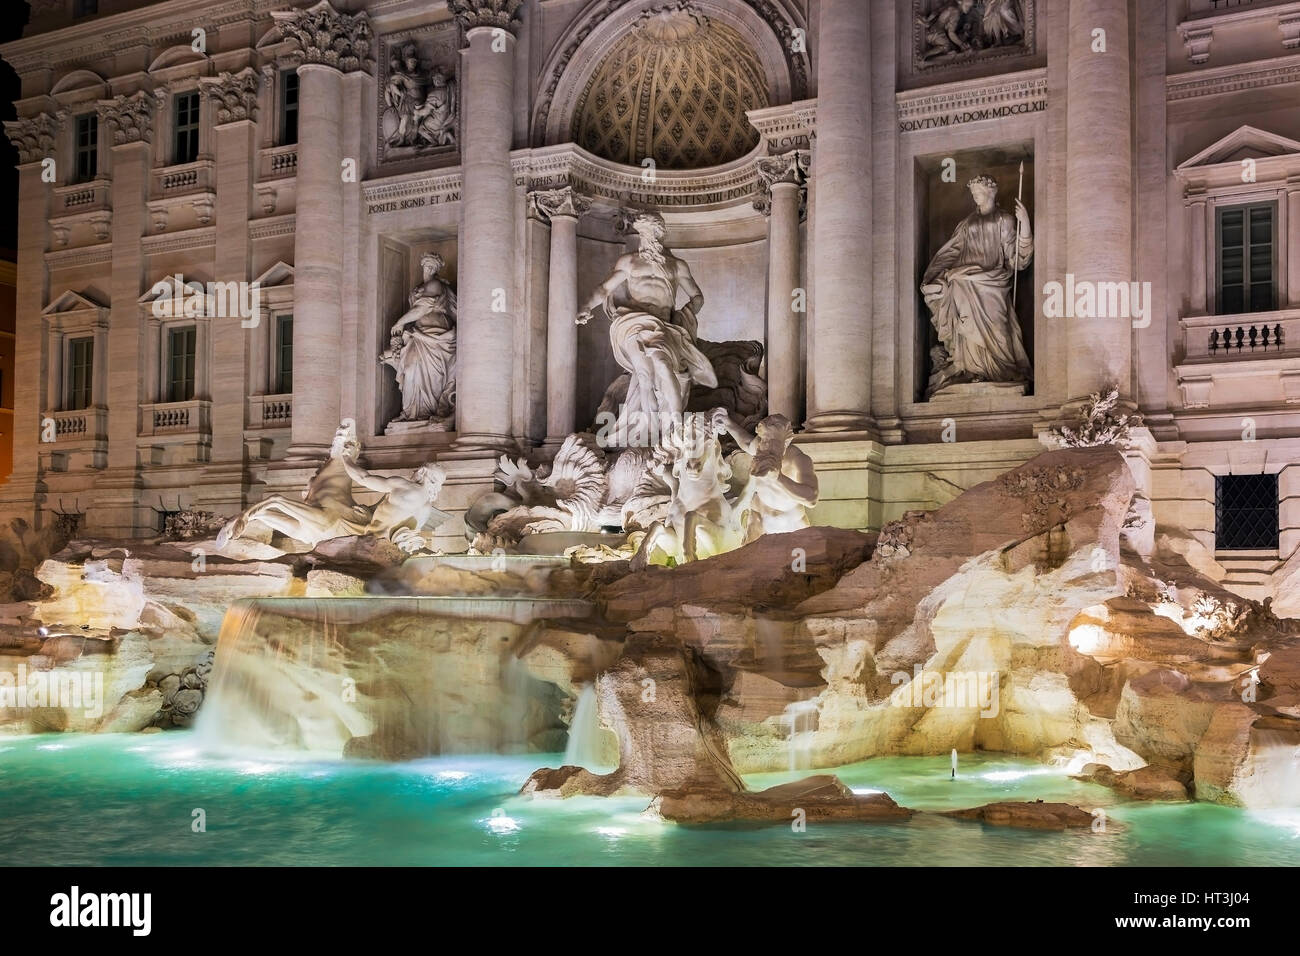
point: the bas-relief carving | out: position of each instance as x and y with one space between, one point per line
405 514
968 287
422 352
949 32
419 102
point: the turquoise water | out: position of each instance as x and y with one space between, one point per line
129 800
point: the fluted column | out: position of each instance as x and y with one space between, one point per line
1196 233
781 181
485 271
563 207
1099 189
1293 240
330 45
839 373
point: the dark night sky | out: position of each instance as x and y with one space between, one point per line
12 20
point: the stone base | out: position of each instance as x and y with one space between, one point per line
397 427
966 390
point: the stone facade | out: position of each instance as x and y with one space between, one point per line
336 146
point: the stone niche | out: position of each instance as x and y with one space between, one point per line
399 272
940 206
418 110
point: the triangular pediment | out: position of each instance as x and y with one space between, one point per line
71 301
279 274
1245 142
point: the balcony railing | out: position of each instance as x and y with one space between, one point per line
77 198
1259 335
78 424
270 411
279 162
170 181
175 418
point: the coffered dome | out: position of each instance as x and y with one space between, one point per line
675 88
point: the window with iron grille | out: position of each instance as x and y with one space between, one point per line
1246 246
86 158
186 130
1245 512
284 355
180 363
80 375
288 107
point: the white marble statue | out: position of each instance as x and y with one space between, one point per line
422 350
701 520
781 485
406 511
327 510
652 338
968 288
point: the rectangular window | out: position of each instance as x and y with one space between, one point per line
185 141
86 148
80 376
180 363
1245 512
1246 246
284 354
288 107
85 8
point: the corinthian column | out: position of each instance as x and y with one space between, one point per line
781 181
839 347
1098 187
563 207
485 272
331 44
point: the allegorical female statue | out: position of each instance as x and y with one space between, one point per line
422 349
968 288
652 339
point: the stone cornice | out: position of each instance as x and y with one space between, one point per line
272 227
329 38
786 127
969 101
81 256
1231 79
233 95
498 14
33 137
200 238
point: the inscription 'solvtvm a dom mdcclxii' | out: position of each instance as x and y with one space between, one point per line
923 232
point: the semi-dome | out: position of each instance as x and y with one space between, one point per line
675 88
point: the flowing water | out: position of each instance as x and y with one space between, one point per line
130 800
587 746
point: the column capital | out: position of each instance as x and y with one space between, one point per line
789 169
326 37
128 119
565 201
497 14
33 137
233 95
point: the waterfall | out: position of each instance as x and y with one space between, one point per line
587 746
383 677
800 718
1271 773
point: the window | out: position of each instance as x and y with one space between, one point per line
1245 512
288 107
180 363
85 8
1245 246
185 142
80 377
283 354
86 148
